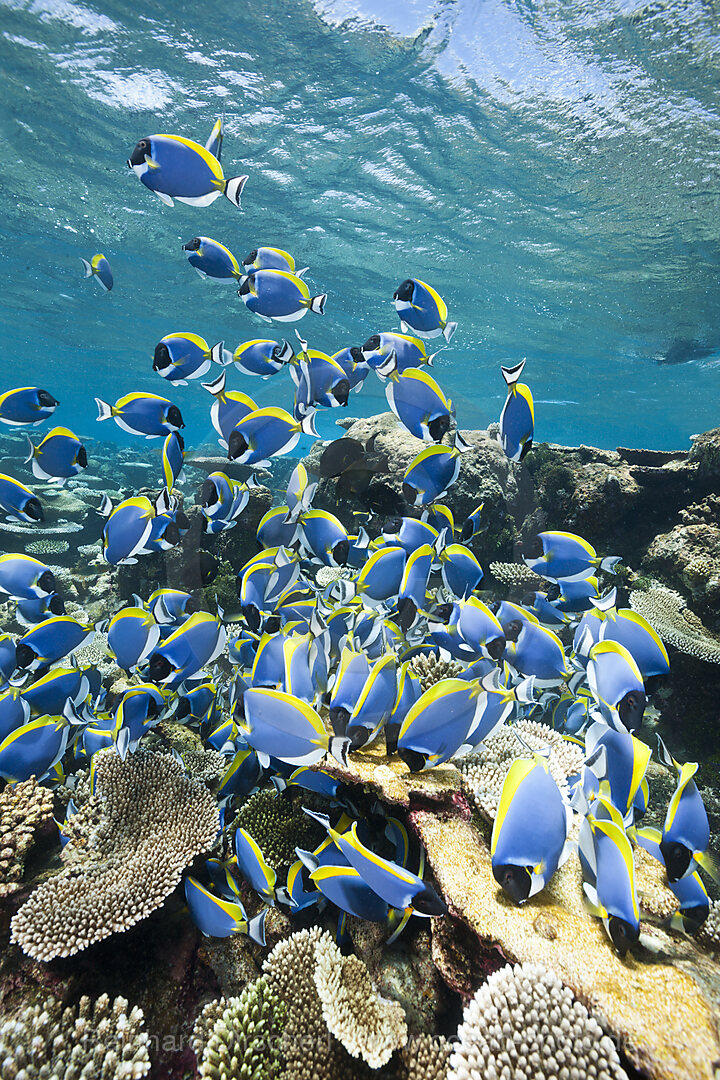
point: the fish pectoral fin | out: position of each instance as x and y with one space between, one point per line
151 164
164 198
708 864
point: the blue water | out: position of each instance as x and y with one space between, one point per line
550 169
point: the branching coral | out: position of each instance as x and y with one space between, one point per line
278 825
484 772
516 575
524 1024
671 618
240 1037
47 547
128 848
24 809
430 668
85 1042
366 1025
424 1058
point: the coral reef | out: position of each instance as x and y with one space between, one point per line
128 847
100 1041
240 1037
25 809
523 1023
688 558
484 771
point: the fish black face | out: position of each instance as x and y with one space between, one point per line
138 155
182 710
174 417
467 531
46 400
249 260
251 615
341 392
237 445
406 613
82 457
209 493
439 427
57 605
496 648
272 624
622 934
182 520
443 612
553 592
392 526
33 509
24 655
381 499
414 760
428 902
193 244
392 731
208 565
161 357
339 719
159 667
677 858
357 355
512 631
631 709
244 287
172 533
358 738
408 493
532 549
192 606
694 917
372 343
404 291
181 441
341 552
514 880
527 447
46 582
339 456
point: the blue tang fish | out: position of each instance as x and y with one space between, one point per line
517 419
132 635
267 433
34 749
142 414
534 650
381 576
694 903
374 703
252 865
182 356
18 502
271 258
177 168
262 357
319 380
212 259
352 362
409 351
31 612
432 473
229 407
609 869
173 457
274 530
170 606
25 578
99 269
280 725
637 635
222 500
50 641
59 456
50 694
422 309
419 404
439 725
619 759
564 555
26 405
140 709
325 537
127 529
460 570
616 684
409 533
413 584
279 295
14 711
216 917
530 829
196 642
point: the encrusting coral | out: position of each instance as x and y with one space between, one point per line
84 1042
24 809
430 669
671 618
239 1038
525 1025
368 1027
128 847
484 772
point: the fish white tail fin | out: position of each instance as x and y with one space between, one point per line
286 353
449 330
525 691
217 386
105 411
338 747
88 268
317 303
220 355
606 602
307 425
31 450
233 188
512 374
609 563
256 928
460 445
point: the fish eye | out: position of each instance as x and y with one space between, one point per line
427 902
622 933
46 400
250 259
357 355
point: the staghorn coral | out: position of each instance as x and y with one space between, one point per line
430 668
523 1024
47 547
240 1037
368 1026
127 850
83 1042
671 618
424 1058
279 825
309 1050
516 575
24 809
484 771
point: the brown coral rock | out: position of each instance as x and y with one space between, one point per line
24 809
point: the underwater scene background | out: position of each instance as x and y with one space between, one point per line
363 721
